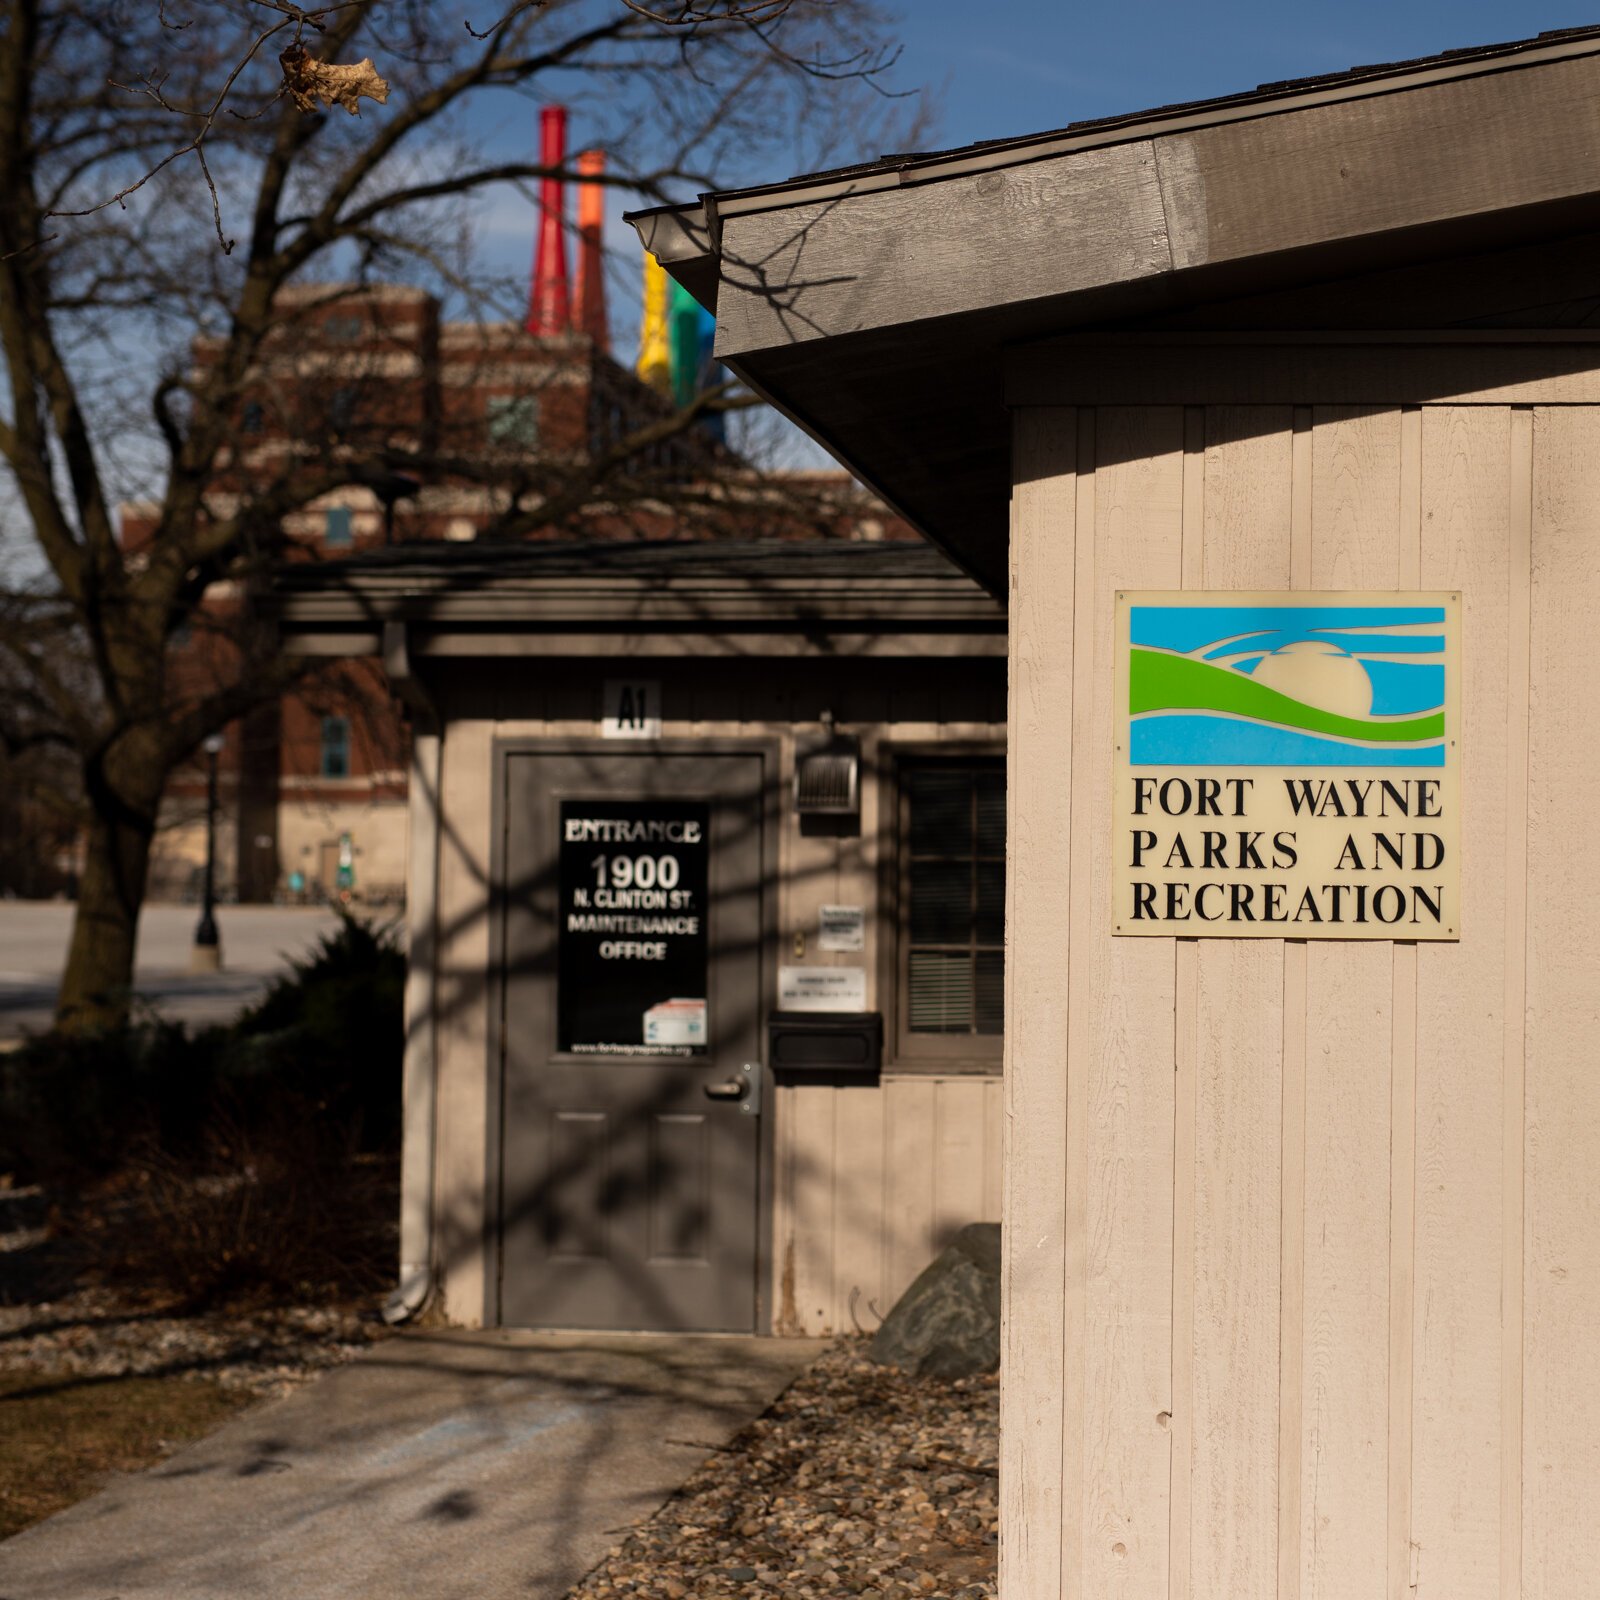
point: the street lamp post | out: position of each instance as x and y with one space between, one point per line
206 953
389 488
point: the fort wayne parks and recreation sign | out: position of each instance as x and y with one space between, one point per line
1287 766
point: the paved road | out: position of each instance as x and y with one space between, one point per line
257 943
490 1466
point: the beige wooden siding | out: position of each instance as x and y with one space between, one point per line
868 1183
1561 1146
871 1184
1304 1256
461 1215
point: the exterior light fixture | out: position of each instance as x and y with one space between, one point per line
827 780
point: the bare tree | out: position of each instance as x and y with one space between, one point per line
165 192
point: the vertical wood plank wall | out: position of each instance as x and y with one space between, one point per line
869 1182
1303 1273
871 1185
1560 1174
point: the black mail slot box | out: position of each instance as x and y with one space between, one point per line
814 1046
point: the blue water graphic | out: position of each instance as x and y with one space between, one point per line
1353 644
1187 628
1167 739
1401 689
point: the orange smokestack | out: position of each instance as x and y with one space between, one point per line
589 307
548 310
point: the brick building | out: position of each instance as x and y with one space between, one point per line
492 424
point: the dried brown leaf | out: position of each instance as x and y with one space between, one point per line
308 80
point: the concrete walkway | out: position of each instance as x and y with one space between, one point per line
437 1466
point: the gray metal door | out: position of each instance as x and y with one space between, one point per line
630 1130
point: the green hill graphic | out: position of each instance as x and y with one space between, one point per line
1162 682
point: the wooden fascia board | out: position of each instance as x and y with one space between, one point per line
1116 214
822 643
333 643
686 239
832 599
827 604
830 644
931 167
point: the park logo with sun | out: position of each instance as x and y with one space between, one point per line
1307 685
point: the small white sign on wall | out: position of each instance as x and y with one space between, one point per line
822 989
841 927
631 709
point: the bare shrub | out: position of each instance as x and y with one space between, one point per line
263 1214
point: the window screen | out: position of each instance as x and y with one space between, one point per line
342 408
954 898
513 420
335 747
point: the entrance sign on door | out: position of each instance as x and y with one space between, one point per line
1287 766
631 976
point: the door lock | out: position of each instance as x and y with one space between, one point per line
744 1086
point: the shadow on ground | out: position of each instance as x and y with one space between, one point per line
443 1464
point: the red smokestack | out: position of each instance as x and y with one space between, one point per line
589 307
548 312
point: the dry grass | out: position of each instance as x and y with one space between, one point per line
62 1438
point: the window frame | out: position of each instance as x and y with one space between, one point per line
953 1053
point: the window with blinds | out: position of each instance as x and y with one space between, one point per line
953 891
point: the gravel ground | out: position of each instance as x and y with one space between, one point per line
859 1481
53 1324
97 1333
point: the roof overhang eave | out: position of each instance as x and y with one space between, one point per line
873 305
700 219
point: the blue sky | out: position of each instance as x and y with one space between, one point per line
1008 67
995 68
1022 66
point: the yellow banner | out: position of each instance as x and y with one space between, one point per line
655 343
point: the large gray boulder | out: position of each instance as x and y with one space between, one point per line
947 1324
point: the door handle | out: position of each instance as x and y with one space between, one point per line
744 1086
